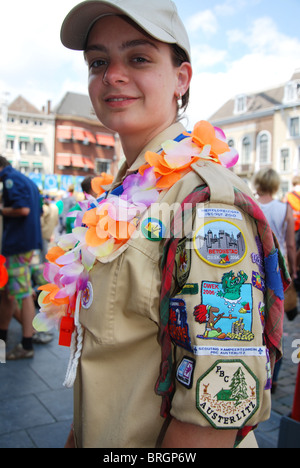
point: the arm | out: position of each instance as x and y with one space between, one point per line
183 435
15 212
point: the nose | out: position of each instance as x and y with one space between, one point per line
115 73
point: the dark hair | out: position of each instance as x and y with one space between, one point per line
179 56
86 184
4 162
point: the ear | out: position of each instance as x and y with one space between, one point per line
184 77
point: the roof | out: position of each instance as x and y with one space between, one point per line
76 104
22 105
259 102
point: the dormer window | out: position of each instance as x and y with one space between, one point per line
240 104
292 91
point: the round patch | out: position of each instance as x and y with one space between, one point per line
220 243
87 296
153 229
228 394
9 184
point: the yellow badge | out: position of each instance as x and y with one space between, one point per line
220 243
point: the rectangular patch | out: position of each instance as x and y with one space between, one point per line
226 310
229 351
219 213
185 372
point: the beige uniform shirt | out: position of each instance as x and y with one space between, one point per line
221 365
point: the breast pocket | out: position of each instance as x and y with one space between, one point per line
125 295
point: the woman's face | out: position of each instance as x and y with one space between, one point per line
133 83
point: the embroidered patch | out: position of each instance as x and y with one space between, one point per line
178 326
153 229
182 263
228 394
9 183
226 309
220 243
185 372
87 296
189 289
258 258
273 276
257 351
219 213
258 282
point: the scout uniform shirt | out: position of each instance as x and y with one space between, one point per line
216 315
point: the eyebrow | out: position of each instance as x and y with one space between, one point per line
125 46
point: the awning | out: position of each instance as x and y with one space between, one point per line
77 161
88 163
24 138
63 160
23 163
37 164
105 140
10 137
64 133
78 134
89 135
38 140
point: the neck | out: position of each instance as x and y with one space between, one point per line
265 198
133 143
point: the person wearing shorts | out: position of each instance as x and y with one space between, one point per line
21 214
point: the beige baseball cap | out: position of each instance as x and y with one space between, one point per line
159 18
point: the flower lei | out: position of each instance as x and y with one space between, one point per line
105 224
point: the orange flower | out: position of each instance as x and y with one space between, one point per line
102 228
167 176
205 134
99 182
50 298
54 254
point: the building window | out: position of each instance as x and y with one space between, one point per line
103 165
246 151
294 127
240 104
24 146
231 143
38 147
264 148
10 145
285 163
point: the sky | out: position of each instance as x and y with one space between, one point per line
238 46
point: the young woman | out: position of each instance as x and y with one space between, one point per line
157 276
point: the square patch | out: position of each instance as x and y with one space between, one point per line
228 394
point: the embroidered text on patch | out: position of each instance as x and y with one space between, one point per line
228 394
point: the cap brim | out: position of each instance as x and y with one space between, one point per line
78 23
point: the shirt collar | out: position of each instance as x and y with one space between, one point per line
154 145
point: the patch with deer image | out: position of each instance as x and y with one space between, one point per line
228 394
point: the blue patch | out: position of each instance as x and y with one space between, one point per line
178 326
273 276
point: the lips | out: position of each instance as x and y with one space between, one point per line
119 99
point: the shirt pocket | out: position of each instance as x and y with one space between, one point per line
124 295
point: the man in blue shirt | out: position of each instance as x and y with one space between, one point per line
21 214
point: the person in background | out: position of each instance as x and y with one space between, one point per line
49 222
68 203
281 219
22 235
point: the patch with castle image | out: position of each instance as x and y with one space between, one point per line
228 394
220 243
226 309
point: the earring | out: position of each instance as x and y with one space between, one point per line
179 101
